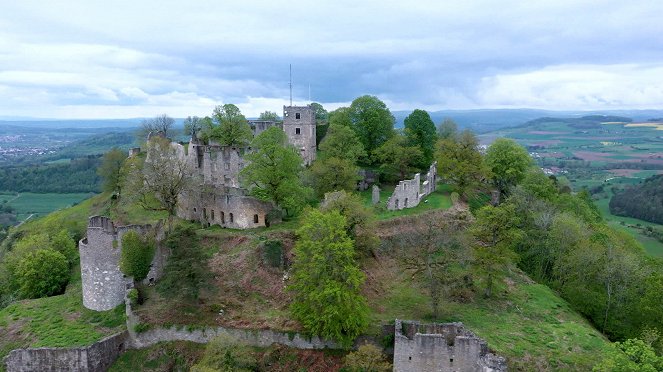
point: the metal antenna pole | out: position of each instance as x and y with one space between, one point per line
290 84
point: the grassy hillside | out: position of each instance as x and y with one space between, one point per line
525 322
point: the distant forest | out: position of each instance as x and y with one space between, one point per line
78 175
643 201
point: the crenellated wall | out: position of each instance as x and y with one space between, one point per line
104 285
441 347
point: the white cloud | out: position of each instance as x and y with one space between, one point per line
576 87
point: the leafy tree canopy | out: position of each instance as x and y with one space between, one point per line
397 158
272 173
420 131
508 162
342 142
137 254
232 128
326 280
41 273
460 162
110 170
372 121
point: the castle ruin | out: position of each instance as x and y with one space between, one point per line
104 285
221 200
408 193
441 347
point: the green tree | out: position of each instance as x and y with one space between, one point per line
496 231
41 273
420 131
231 128
460 162
397 158
342 142
326 280
110 170
65 244
332 174
269 116
448 129
136 256
340 117
360 221
321 115
632 355
508 162
372 121
273 170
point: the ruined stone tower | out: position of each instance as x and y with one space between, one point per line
104 285
299 126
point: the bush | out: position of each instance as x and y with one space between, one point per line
137 254
63 243
41 273
133 296
273 253
224 354
141 327
185 272
368 358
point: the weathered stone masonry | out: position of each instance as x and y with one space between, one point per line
97 357
221 200
104 285
441 347
408 193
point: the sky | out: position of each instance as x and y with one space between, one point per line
140 58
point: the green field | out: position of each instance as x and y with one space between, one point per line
27 204
595 156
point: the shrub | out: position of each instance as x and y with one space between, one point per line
368 358
133 296
273 253
223 353
141 327
137 254
63 243
41 273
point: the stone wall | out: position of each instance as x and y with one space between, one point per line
97 357
104 285
227 208
409 193
406 194
252 337
441 347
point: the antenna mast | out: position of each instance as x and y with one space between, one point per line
291 84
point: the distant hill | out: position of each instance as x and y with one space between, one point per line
643 201
487 120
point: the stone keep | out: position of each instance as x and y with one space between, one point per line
104 285
441 347
299 127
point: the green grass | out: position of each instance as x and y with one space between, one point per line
164 356
630 225
42 204
439 199
526 323
58 321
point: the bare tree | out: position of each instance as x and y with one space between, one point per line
160 124
163 177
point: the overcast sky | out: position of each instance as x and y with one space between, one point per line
139 58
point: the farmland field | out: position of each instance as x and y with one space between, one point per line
27 204
602 156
